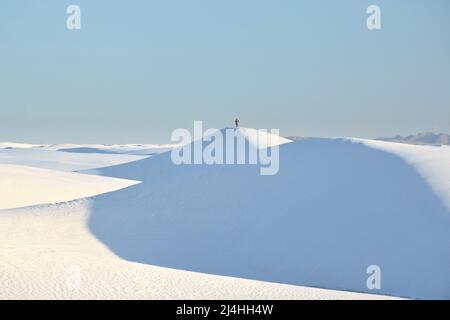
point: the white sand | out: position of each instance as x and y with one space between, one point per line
48 253
22 186
332 201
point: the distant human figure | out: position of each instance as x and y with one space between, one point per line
236 122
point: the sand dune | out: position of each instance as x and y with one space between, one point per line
47 252
335 207
22 186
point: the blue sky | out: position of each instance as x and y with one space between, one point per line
139 69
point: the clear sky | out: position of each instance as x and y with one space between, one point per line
139 69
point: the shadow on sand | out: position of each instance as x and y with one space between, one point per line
334 208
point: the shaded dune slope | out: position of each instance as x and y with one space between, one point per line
334 208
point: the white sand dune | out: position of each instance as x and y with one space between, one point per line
334 208
130 149
432 162
14 145
62 161
260 138
47 252
22 186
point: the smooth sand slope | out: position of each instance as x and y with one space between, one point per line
22 186
432 163
47 252
335 207
62 161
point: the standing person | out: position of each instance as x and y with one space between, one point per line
236 122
